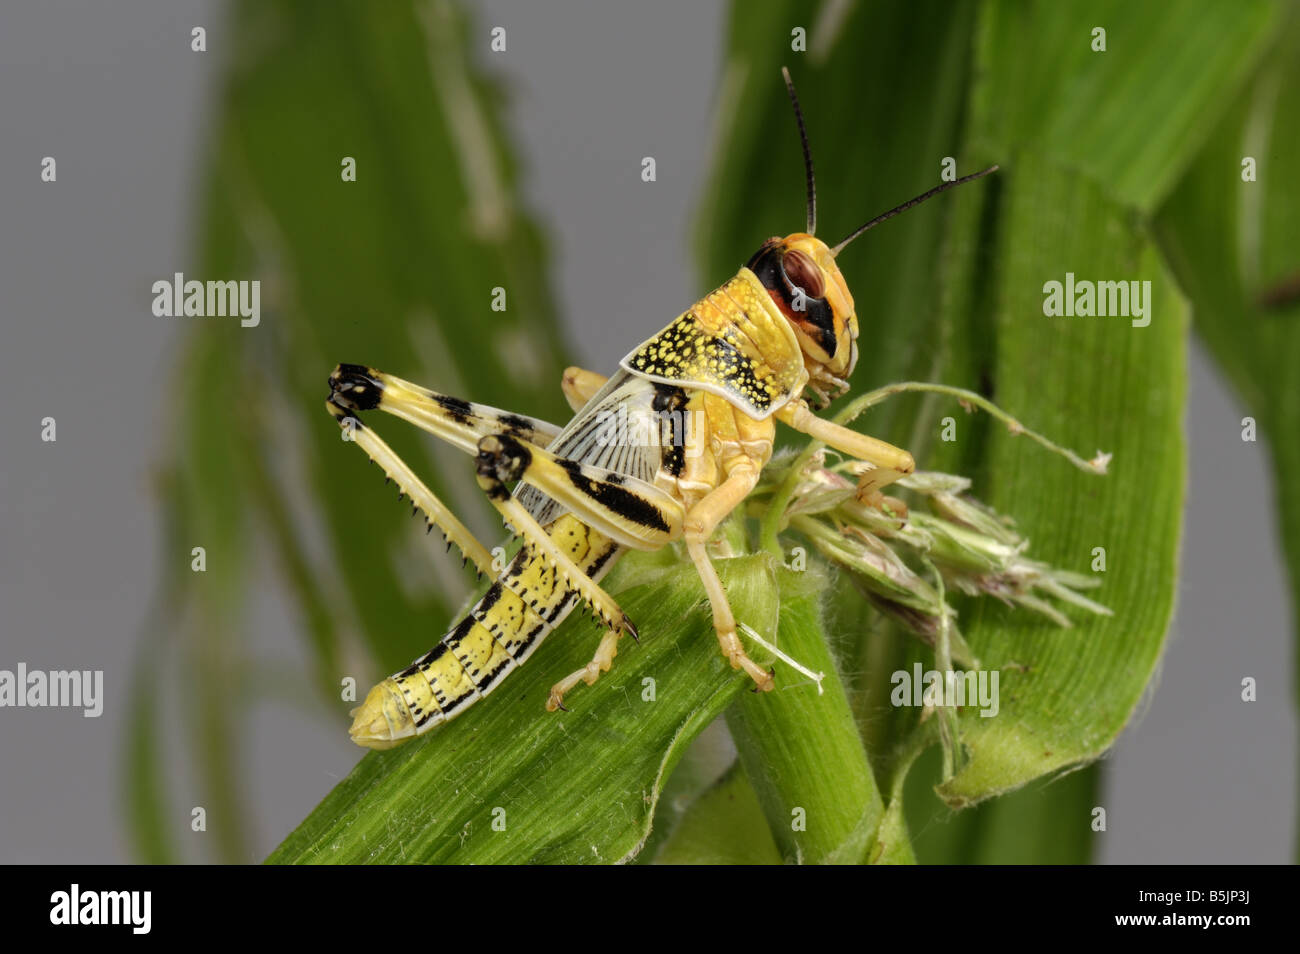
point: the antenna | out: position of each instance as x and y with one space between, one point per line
907 205
807 153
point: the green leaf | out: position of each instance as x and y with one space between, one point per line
893 840
568 787
1130 118
723 826
1049 821
701 767
1090 383
1233 246
1074 203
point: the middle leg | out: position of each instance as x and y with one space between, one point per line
580 386
701 520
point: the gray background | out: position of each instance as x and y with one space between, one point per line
115 94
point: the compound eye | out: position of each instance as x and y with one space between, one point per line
802 271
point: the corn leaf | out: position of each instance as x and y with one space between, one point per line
724 825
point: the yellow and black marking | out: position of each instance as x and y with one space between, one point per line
496 635
557 567
670 404
462 423
734 343
502 460
606 434
632 511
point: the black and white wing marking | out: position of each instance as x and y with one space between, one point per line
618 430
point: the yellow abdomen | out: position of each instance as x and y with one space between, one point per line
520 608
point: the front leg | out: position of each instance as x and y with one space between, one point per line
888 462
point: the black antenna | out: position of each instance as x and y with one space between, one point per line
908 204
807 153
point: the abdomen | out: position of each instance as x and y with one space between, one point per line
500 632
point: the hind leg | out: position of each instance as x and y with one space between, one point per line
601 662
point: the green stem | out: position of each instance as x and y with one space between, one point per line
802 751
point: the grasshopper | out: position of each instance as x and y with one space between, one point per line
711 386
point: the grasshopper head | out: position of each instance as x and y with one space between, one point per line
800 274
